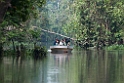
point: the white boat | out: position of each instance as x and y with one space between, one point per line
61 49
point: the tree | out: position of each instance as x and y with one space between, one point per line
16 17
4 4
101 20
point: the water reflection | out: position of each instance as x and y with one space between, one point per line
18 70
61 59
57 70
101 67
78 67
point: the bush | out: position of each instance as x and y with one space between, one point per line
115 47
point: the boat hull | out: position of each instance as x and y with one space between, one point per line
61 49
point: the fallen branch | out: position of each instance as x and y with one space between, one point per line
57 34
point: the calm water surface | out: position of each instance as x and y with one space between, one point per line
78 67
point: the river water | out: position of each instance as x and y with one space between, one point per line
77 67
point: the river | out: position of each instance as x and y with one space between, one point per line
78 67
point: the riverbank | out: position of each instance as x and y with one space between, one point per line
23 50
115 47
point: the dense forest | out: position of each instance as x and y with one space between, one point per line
16 33
91 22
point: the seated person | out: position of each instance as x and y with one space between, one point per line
56 42
61 43
67 41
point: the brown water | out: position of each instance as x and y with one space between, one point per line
78 67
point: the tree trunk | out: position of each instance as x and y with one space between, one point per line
13 44
3 8
1 49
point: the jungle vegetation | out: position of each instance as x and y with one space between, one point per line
93 23
15 19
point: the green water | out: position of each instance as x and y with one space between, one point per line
78 67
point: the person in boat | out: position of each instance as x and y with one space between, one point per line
62 42
67 41
56 42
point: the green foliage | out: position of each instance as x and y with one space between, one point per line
17 17
81 19
99 17
115 47
2 40
39 52
97 20
22 10
35 34
60 14
19 36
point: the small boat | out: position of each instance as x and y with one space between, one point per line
61 49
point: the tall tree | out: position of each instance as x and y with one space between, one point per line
16 15
4 4
101 20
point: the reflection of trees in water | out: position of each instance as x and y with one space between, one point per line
39 71
14 67
115 67
88 67
100 67
1 71
61 59
18 69
82 67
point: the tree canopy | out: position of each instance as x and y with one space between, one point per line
95 21
15 15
